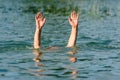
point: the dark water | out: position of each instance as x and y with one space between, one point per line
98 53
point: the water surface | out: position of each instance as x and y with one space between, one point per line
98 43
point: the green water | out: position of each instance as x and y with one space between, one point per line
98 53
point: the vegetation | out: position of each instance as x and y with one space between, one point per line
94 8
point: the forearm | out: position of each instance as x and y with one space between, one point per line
40 21
73 37
37 39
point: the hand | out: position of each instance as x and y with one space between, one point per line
40 20
73 19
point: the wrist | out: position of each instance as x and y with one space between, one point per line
37 30
74 27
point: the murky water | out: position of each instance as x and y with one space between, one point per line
98 53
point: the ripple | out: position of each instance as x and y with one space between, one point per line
14 45
100 45
98 39
85 59
57 69
4 70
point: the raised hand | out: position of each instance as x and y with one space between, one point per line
73 19
40 20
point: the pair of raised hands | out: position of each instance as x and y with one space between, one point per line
40 20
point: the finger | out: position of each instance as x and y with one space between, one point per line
70 20
37 15
71 15
44 20
77 16
40 15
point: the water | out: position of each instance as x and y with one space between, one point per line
98 53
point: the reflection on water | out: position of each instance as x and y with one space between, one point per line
38 55
98 56
73 59
68 69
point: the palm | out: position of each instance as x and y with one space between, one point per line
40 20
73 20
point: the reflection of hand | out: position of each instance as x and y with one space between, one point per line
73 19
73 59
36 59
38 55
72 52
40 20
74 72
